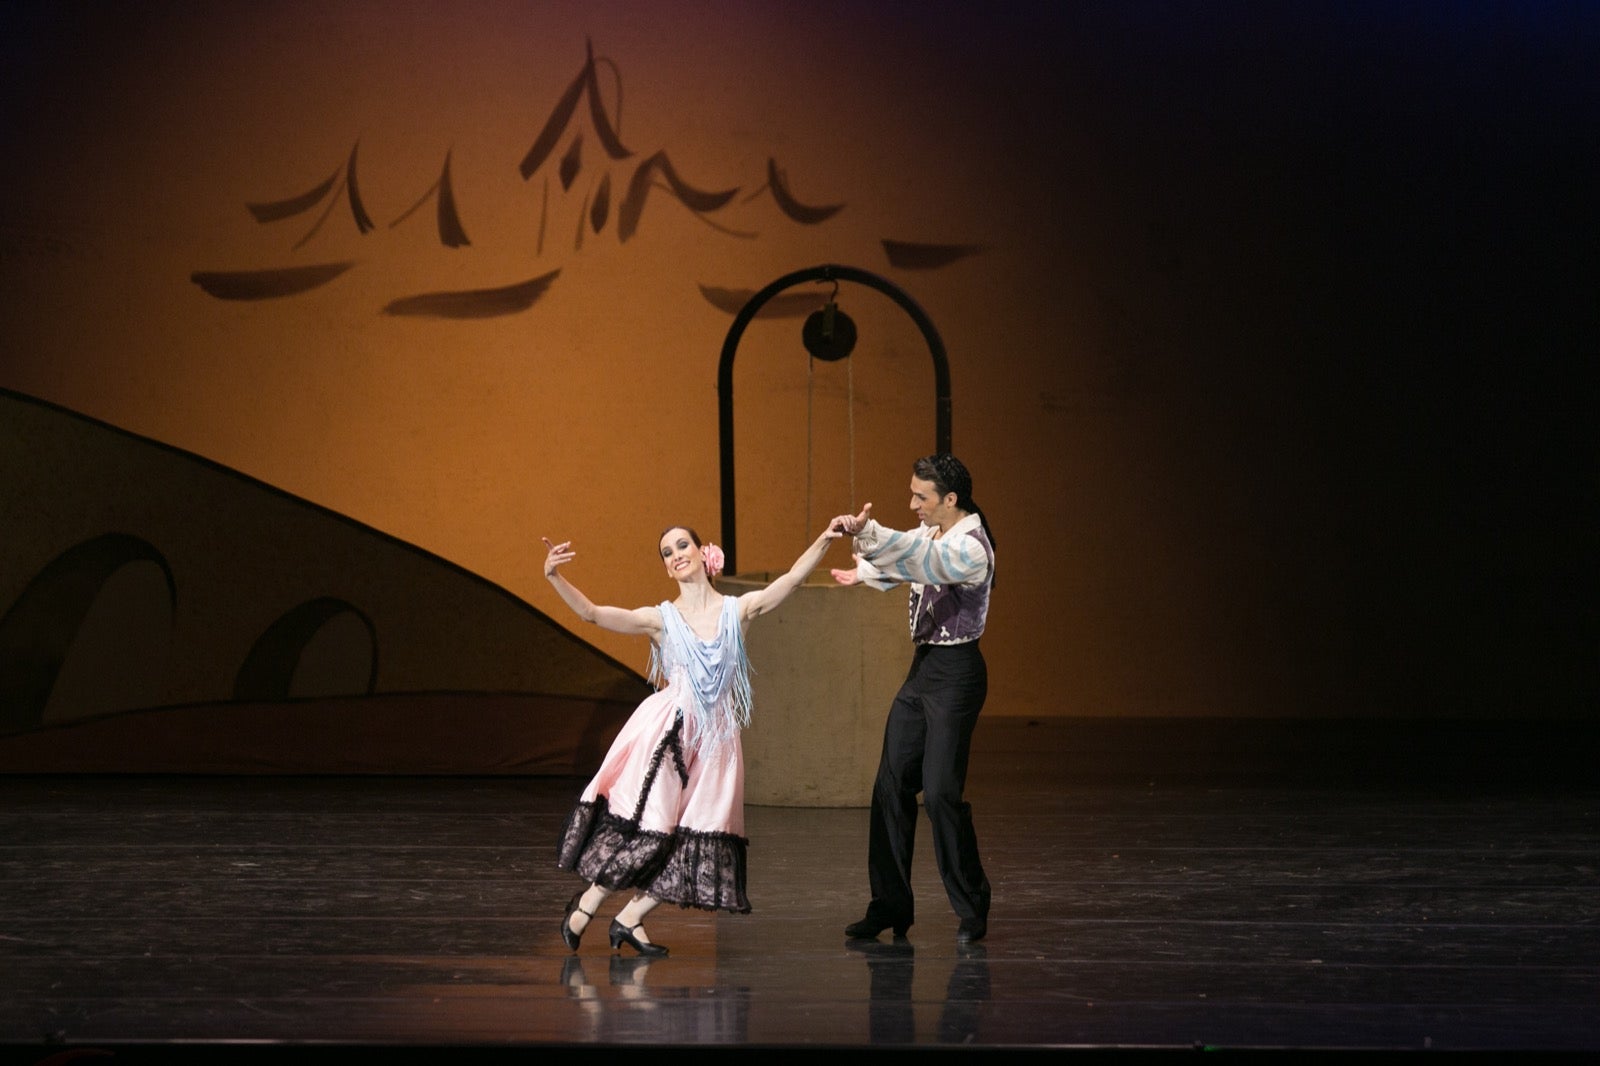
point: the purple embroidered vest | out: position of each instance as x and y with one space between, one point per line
952 614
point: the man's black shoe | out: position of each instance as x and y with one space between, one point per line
971 929
869 927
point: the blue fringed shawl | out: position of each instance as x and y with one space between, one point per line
717 671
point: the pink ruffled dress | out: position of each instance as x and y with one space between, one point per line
664 814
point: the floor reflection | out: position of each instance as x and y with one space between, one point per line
891 970
627 1009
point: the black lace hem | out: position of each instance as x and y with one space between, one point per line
705 871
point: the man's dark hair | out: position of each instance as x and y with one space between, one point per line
948 475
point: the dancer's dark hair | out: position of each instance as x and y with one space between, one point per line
948 475
687 529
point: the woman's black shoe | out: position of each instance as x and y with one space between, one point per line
568 937
869 927
621 933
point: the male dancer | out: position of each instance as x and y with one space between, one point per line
948 562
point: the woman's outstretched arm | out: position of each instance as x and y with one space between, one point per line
757 603
646 620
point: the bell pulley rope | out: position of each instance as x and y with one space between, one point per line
850 419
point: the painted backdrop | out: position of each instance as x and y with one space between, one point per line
1269 327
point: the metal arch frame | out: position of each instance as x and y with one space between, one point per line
941 374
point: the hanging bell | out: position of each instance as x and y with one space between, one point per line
829 334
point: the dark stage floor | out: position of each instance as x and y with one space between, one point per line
1240 896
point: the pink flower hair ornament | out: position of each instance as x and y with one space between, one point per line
714 559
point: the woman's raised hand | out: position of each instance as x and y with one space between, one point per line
560 555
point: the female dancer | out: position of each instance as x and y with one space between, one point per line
664 815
